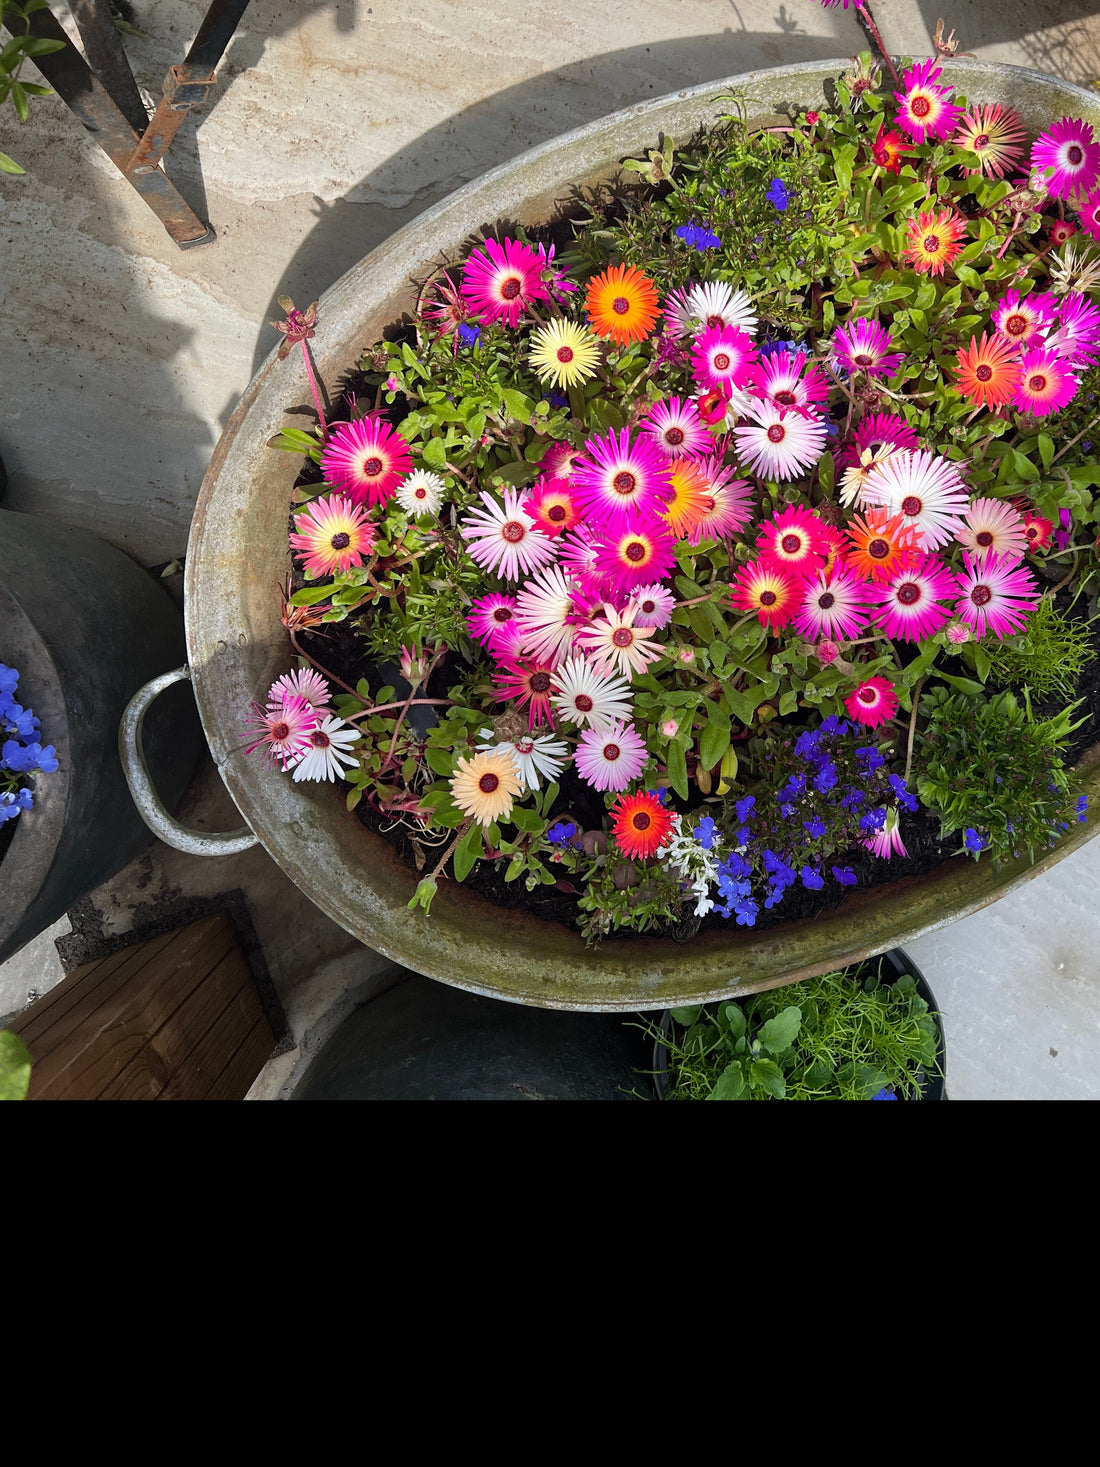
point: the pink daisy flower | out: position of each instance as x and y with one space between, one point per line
653 606
526 682
923 108
331 536
620 483
793 541
993 527
635 556
1024 320
500 281
558 460
833 608
366 460
1088 209
1047 383
864 346
282 730
676 430
492 622
303 682
779 380
731 503
774 594
612 758
1077 335
505 539
923 488
909 605
778 446
723 359
1069 149
579 554
546 611
878 429
990 137
872 702
615 644
552 504
998 594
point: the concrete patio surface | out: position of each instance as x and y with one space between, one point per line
334 123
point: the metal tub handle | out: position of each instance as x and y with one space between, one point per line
147 801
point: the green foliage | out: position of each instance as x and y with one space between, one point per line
843 1036
14 53
15 1067
1048 656
986 763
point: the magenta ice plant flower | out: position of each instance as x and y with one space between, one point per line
909 607
998 594
864 346
723 359
500 281
1069 149
923 109
1047 383
675 428
619 483
833 606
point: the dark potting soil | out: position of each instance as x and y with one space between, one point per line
7 835
341 652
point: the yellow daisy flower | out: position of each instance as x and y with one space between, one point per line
486 786
564 353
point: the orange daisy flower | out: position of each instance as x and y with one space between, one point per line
640 824
934 240
691 499
881 546
622 304
988 370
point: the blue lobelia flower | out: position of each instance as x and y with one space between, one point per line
777 194
1083 809
564 833
812 880
694 234
469 335
845 875
974 842
704 833
816 826
884 1095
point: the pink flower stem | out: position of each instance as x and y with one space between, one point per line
389 707
314 389
872 29
446 856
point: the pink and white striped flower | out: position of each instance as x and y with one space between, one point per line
723 360
676 429
998 596
281 730
618 483
504 538
617 644
781 380
547 615
1024 320
925 489
779 446
612 758
653 606
993 527
1047 383
833 607
1071 151
703 307
909 607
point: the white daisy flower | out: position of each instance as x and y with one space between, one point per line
544 607
780 445
327 751
421 493
617 643
580 695
714 303
925 489
534 755
505 539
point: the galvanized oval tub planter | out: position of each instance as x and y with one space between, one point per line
236 644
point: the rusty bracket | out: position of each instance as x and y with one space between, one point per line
135 153
182 89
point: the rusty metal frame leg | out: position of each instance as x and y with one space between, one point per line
137 154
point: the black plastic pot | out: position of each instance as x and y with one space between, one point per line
423 1040
85 626
895 965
